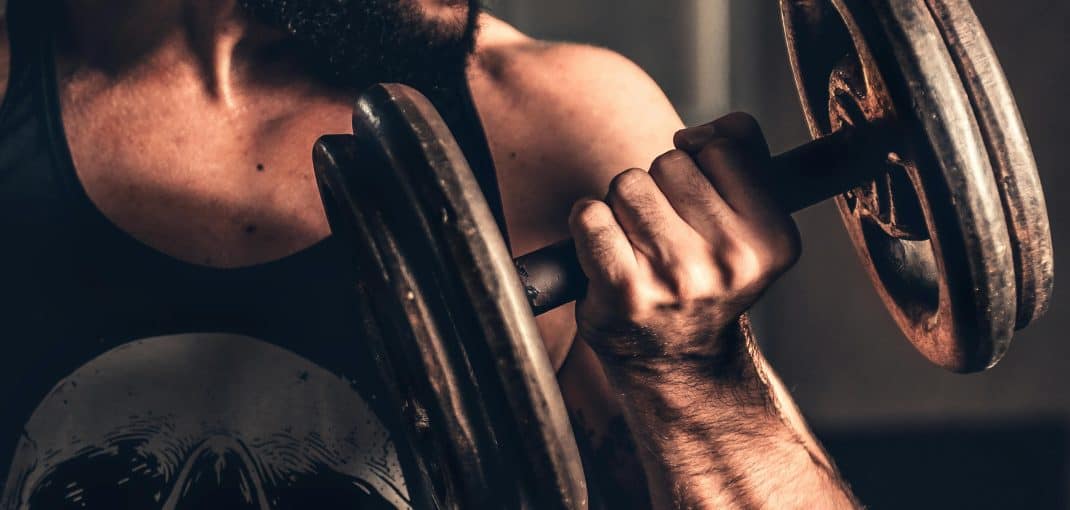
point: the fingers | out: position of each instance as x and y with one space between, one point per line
684 249
645 214
690 193
737 126
757 238
733 173
606 256
733 154
699 225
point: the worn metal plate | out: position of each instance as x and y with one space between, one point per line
483 405
1010 152
932 233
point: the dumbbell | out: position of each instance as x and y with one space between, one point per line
917 137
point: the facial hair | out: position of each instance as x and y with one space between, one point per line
356 43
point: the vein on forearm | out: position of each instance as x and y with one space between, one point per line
718 435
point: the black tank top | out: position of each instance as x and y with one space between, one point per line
130 379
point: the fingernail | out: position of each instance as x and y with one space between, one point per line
694 137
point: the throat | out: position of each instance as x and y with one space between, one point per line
207 41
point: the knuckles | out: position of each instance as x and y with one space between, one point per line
630 184
743 125
668 162
721 155
696 279
760 258
588 215
781 243
721 275
788 247
734 271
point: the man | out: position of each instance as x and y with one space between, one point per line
178 332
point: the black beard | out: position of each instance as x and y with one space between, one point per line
355 43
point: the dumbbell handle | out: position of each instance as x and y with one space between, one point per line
799 178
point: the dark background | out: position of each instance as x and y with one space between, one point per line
905 434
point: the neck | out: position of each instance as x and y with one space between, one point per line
212 38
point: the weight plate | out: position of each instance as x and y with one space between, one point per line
931 233
1010 153
485 413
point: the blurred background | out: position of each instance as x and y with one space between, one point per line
905 433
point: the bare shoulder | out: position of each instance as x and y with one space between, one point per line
513 62
562 120
592 110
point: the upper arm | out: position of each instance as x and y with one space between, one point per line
613 116
563 120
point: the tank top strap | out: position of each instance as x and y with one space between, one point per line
26 38
455 103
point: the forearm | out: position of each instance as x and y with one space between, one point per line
674 256
721 436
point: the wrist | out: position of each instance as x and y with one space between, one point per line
668 357
690 387
719 384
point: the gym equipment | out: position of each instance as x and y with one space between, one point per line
955 235
917 137
448 322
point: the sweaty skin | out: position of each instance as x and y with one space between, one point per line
675 256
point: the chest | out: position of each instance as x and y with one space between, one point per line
201 180
218 186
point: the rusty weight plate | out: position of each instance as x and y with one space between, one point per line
458 338
932 233
1009 150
